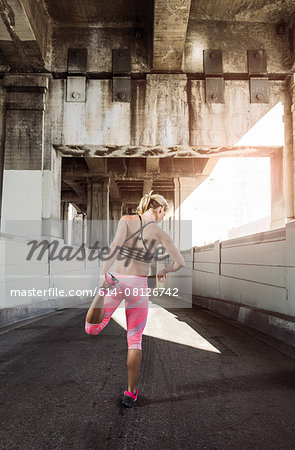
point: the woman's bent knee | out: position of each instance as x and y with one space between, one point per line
94 316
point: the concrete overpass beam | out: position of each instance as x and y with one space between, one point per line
25 39
289 161
147 186
170 27
115 213
98 211
277 194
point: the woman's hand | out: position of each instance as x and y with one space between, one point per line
103 282
161 276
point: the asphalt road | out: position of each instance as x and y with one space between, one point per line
206 383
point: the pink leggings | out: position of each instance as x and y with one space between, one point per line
134 289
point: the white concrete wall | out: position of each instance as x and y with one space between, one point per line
16 272
178 285
256 270
22 201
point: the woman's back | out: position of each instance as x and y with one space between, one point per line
134 258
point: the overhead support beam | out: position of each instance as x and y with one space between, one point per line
91 152
71 197
152 166
170 27
96 166
25 34
78 189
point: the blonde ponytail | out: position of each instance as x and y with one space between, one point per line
151 201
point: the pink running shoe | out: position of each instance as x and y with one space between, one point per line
129 398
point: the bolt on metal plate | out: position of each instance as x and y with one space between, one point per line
257 61
212 61
121 89
259 90
214 90
76 89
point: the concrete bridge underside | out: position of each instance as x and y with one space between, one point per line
101 102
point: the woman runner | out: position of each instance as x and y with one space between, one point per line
129 277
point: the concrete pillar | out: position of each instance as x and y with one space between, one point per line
187 187
84 229
2 124
89 212
176 212
23 190
289 160
77 229
147 186
105 211
116 214
116 209
98 222
277 194
65 218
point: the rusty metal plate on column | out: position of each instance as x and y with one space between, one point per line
257 61
212 61
259 90
121 89
121 61
76 89
77 60
214 90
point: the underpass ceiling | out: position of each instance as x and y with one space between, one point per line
29 29
104 12
110 13
269 11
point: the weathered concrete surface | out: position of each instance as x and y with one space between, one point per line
38 34
228 122
159 151
166 117
25 34
117 13
290 143
2 127
62 388
42 25
166 110
170 25
234 39
100 42
240 10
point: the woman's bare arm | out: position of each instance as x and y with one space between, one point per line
175 254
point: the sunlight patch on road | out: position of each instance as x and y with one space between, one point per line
162 324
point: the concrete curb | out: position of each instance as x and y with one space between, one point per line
9 316
276 325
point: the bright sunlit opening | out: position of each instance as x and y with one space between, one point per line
235 200
164 325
